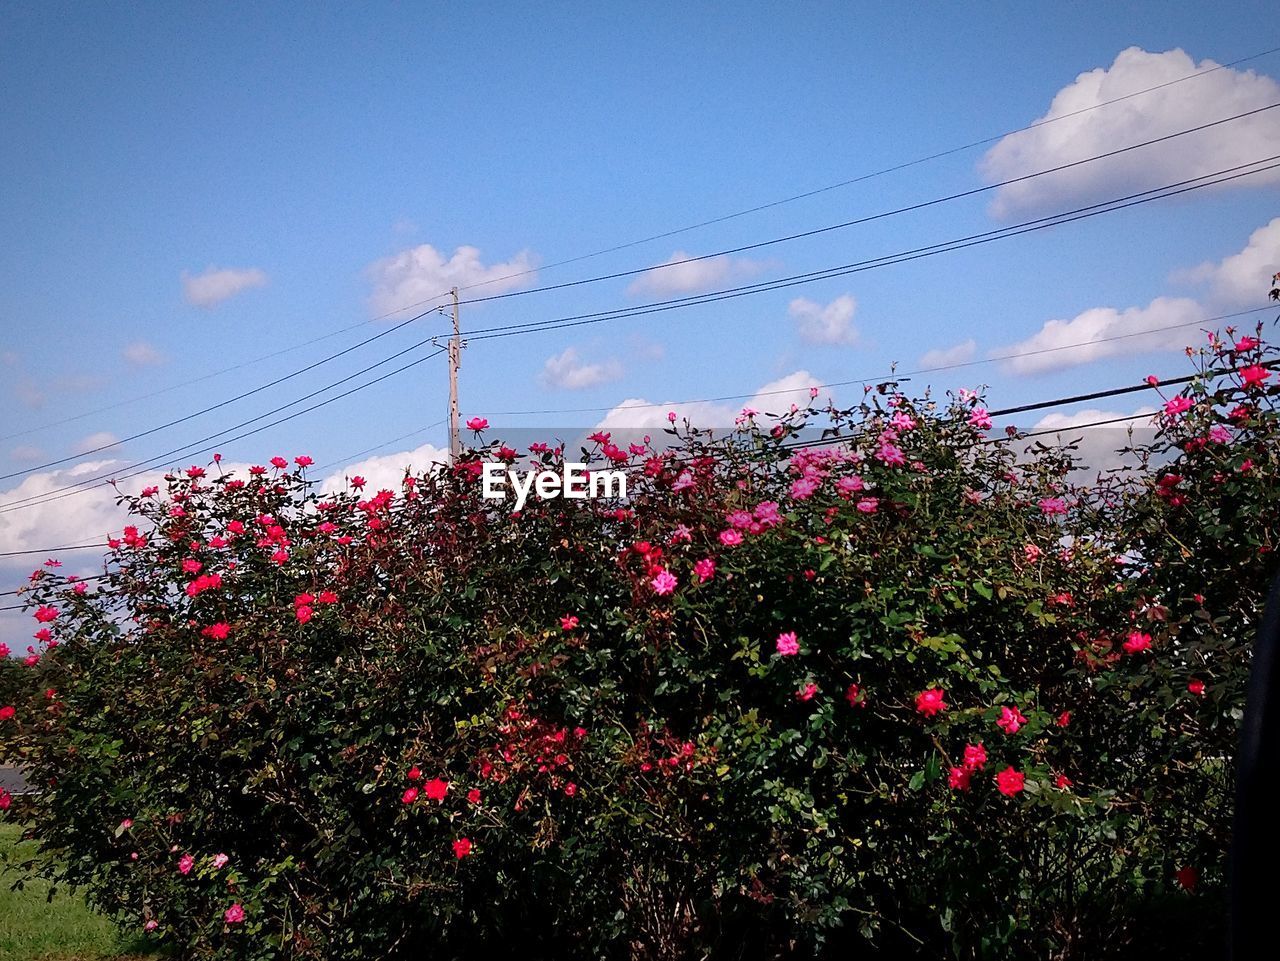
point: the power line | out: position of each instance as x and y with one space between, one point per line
145 466
370 450
89 481
960 243
922 205
891 375
640 270
853 180
663 235
971 240
220 404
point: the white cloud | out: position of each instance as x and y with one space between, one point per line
1098 449
946 356
142 354
1091 331
1244 277
775 396
386 471
102 438
421 274
678 274
214 285
1223 93
568 371
825 324
79 518
27 453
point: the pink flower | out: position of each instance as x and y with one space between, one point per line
303 613
975 756
1178 405
704 569
850 485
664 582
126 824
477 424
568 622
787 644
802 488
185 863
46 614
1137 642
807 692
1219 434
220 861
868 505
1053 505
1031 553
571 790
958 778
930 701
302 460
409 796
730 538
1246 343
279 462
980 419
1011 720
1010 782
890 454
151 925
234 914
461 848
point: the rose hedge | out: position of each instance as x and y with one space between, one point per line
912 688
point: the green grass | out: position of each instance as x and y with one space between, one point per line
35 929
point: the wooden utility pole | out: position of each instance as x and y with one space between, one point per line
455 361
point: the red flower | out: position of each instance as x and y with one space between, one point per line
1187 878
409 796
303 613
1137 642
807 692
1010 781
570 790
958 778
855 697
1254 375
5 799
975 756
436 789
473 795
303 460
568 622
1064 719
929 702
217 632
1195 686
46 614
279 462
7 712
477 424
461 848
415 773
1062 782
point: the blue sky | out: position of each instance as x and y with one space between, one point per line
280 157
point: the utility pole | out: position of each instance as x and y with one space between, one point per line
455 361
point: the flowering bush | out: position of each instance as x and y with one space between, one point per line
907 685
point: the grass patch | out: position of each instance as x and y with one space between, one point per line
64 929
